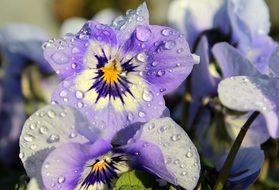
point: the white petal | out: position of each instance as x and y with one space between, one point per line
127 24
181 156
252 93
72 25
46 129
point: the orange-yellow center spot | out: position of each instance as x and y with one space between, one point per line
99 166
111 72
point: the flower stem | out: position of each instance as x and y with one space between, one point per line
222 177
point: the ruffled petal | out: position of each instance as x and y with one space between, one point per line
193 17
243 174
242 16
253 93
274 60
63 168
109 114
165 139
19 48
232 63
68 55
168 60
47 129
125 25
259 52
256 135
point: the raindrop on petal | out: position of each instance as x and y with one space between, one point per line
60 58
61 179
147 95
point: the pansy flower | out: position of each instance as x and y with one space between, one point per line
252 90
118 74
62 150
17 49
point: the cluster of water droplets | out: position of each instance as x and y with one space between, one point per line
43 131
180 154
246 94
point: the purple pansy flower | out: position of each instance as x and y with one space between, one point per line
193 17
17 49
242 174
254 91
63 150
119 72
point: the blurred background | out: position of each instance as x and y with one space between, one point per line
26 85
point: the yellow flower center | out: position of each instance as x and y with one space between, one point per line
111 71
100 166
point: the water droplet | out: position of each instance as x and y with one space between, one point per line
131 116
63 93
176 137
79 95
75 50
168 160
160 73
33 147
46 165
61 179
145 145
51 114
137 153
139 19
141 57
143 33
183 173
72 135
43 130
62 114
28 138
151 126
166 32
33 126
182 166
179 50
60 58
74 65
147 95
53 138
169 45
155 63
163 128
80 105
189 154
176 161
163 90
141 114
21 155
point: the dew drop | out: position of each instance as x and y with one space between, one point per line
21 155
63 93
60 58
79 95
141 57
168 160
143 33
80 105
155 63
160 73
166 32
28 138
33 147
163 129
189 154
169 45
131 116
51 114
74 65
179 50
75 50
176 161
62 114
183 173
141 114
72 135
151 126
53 138
145 145
43 130
61 179
147 95
176 137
